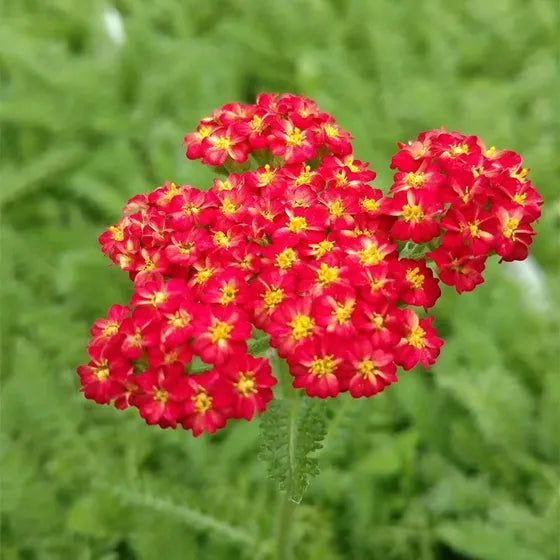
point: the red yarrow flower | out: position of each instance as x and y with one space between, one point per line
106 330
224 143
372 368
162 397
204 410
291 324
251 380
458 267
220 332
416 217
419 343
318 367
290 141
417 285
103 378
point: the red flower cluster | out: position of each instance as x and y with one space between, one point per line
478 200
302 248
291 127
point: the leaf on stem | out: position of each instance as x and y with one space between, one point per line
291 430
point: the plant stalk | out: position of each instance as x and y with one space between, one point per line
284 537
287 507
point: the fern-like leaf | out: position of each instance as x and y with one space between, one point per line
193 517
291 430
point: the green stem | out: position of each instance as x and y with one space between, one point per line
284 540
287 507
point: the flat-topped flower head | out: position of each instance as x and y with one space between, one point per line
301 246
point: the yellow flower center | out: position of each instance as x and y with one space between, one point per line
245 263
117 233
356 232
412 213
490 152
322 366
343 312
330 130
302 326
220 331
369 204
341 179
415 180
295 138
267 215
246 384
519 175
272 297
370 254
111 328
320 249
266 176
304 176
336 208
414 277
377 321
465 197
256 122
160 395
474 229
510 229
101 370
202 401
203 275
327 274
286 258
170 357
158 298
136 338
349 162
225 185
519 198
228 294
148 264
190 208
221 239
458 149
366 368
180 319
222 142
297 224
228 207
376 284
170 192
417 337
185 248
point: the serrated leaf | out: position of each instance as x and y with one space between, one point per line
291 430
191 516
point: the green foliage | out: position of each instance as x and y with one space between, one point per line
458 463
292 429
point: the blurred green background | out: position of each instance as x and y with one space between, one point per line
458 463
